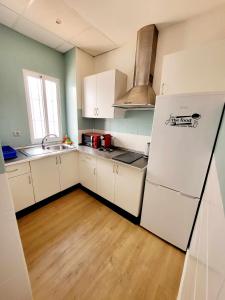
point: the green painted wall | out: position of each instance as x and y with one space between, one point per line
18 52
71 95
85 123
220 159
134 122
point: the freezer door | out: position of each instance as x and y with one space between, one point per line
168 214
184 131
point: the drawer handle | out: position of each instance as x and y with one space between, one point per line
12 171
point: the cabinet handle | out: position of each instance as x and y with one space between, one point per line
11 171
60 160
29 179
117 169
162 88
97 110
113 168
94 171
56 159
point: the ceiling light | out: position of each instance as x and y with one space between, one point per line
58 21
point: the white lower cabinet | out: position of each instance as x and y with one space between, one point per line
54 174
22 191
45 177
105 179
39 179
128 188
69 172
87 167
120 184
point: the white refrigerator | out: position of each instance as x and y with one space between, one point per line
183 136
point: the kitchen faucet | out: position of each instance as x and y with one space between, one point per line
45 139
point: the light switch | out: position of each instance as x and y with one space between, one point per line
16 133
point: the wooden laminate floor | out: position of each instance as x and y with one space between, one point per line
77 248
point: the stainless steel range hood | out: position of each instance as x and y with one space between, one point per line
142 95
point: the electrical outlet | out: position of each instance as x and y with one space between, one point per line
16 133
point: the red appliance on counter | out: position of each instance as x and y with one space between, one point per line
91 139
97 140
106 141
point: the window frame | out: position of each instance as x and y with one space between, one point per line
43 77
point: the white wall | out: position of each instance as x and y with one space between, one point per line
14 280
122 59
84 67
184 35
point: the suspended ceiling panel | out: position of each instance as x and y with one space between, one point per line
95 26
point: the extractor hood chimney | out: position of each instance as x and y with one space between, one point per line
142 95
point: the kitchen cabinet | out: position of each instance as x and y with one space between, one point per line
87 167
201 69
68 169
17 169
120 184
100 92
45 177
128 188
22 190
54 174
90 97
105 179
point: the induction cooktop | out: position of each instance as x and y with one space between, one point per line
128 157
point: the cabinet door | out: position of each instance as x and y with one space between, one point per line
105 94
45 174
87 168
105 179
89 99
22 191
128 188
68 170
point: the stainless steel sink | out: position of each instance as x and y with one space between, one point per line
57 147
38 150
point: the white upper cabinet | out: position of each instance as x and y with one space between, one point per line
100 92
90 100
201 69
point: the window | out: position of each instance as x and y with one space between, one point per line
43 106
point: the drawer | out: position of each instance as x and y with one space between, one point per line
18 169
87 157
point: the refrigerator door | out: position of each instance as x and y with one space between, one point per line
184 132
168 214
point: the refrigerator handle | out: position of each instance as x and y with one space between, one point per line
183 194
189 196
155 184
